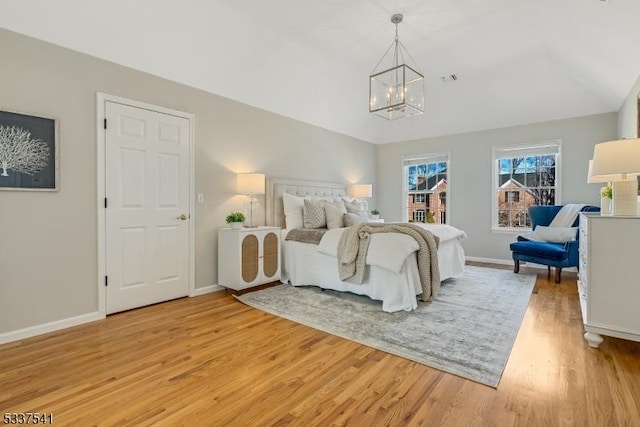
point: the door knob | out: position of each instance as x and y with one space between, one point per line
182 217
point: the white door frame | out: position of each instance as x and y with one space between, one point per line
101 99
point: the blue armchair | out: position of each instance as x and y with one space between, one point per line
558 255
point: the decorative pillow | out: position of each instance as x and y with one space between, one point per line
313 213
353 219
555 234
353 206
293 207
334 212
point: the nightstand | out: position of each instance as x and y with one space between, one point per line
379 220
248 257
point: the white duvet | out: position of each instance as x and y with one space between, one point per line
390 250
392 276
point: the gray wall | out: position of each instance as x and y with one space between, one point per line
628 114
471 172
48 242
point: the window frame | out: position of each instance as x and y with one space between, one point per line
551 147
434 157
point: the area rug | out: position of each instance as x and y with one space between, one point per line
468 330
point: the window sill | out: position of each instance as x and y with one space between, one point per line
510 230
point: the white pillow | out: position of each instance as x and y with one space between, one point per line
334 212
353 206
555 234
353 219
293 208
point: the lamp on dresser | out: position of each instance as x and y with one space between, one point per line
251 184
605 201
619 162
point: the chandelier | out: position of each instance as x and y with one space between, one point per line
398 90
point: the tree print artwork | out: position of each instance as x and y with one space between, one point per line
28 152
20 152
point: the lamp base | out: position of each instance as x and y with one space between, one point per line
364 206
252 200
625 198
605 206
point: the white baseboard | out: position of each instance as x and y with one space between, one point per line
206 290
490 260
56 325
510 262
44 328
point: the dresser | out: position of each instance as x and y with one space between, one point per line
609 278
248 257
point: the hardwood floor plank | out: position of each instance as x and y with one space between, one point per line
212 360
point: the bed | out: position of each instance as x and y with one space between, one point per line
304 265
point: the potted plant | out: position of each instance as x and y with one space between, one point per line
375 214
235 219
606 194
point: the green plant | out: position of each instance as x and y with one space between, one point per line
375 212
235 217
606 192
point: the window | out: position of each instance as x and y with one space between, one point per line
523 176
511 196
425 187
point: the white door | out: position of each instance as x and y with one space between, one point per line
147 207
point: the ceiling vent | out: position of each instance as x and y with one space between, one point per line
450 78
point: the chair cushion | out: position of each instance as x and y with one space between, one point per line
540 249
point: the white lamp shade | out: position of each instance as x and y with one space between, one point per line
595 179
360 191
616 158
251 183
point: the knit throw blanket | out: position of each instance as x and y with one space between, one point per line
354 244
567 215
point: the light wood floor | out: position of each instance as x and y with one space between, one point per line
211 360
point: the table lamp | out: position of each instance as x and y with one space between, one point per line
361 192
251 184
619 161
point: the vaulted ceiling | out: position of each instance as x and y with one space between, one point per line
518 61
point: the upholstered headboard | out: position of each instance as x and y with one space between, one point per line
277 186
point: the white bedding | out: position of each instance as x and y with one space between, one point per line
390 278
389 250
303 264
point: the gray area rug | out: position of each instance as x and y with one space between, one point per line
468 330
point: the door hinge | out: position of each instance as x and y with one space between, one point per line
106 280
105 202
105 123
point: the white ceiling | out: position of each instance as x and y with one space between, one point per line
518 61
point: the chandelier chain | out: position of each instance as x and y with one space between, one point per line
383 56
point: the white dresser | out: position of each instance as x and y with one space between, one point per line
248 257
609 278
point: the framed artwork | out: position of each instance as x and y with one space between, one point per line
28 152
